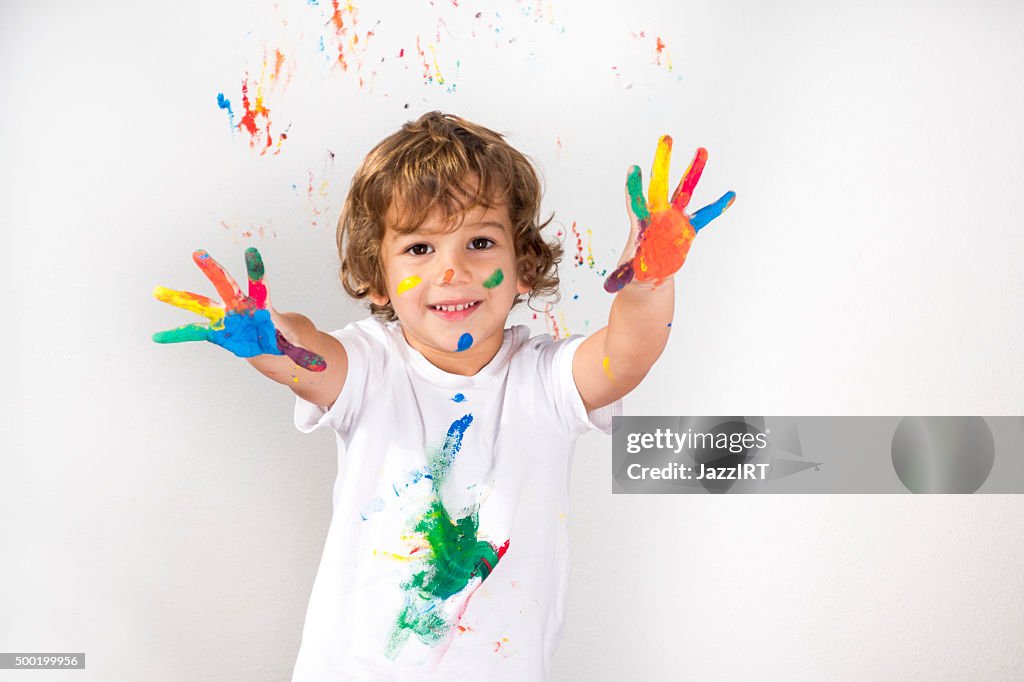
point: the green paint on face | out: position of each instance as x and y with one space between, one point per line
254 264
496 278
636 194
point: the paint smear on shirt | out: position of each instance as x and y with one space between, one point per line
450 559
376 505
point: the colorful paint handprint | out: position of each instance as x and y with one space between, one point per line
661 231
451 558
242 323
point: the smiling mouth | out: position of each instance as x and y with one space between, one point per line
454 312
455 307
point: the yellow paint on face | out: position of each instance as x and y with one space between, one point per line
408 283
607 362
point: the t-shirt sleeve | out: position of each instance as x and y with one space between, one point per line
365 359
567 397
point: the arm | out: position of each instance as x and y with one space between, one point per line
634 339
614 360
320 388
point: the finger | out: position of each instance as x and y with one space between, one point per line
189 332
712 211
681 197
255 271
622 276
224 283
657 193
195 303
300 356
635 190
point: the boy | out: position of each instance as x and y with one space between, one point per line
447 554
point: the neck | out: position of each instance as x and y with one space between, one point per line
464 363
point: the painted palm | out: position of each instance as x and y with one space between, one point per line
660 230
242 323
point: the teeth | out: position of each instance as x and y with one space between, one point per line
453 308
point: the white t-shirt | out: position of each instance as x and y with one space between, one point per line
447 556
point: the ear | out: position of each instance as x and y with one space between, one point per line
522 287
378 299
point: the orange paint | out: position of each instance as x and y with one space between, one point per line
664 246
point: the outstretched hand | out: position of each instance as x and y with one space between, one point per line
241 324
661 231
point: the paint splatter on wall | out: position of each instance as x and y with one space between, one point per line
356 44
317 190
242 232
254 113
345 42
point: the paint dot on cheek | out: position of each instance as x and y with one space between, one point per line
465 341
496 278
408 283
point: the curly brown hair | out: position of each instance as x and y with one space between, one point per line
441 161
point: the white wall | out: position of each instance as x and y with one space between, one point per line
159 512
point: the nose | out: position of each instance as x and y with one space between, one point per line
453 271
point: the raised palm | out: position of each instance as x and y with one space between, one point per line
242 324
661 231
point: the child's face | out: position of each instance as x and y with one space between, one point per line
472 267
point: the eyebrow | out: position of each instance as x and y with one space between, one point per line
417 231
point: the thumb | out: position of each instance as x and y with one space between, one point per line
635 208
634 183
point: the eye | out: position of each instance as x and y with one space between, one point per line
418 249
481 243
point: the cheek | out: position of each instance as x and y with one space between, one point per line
495 275
408 294
406 285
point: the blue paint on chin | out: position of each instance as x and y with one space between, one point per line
465 341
